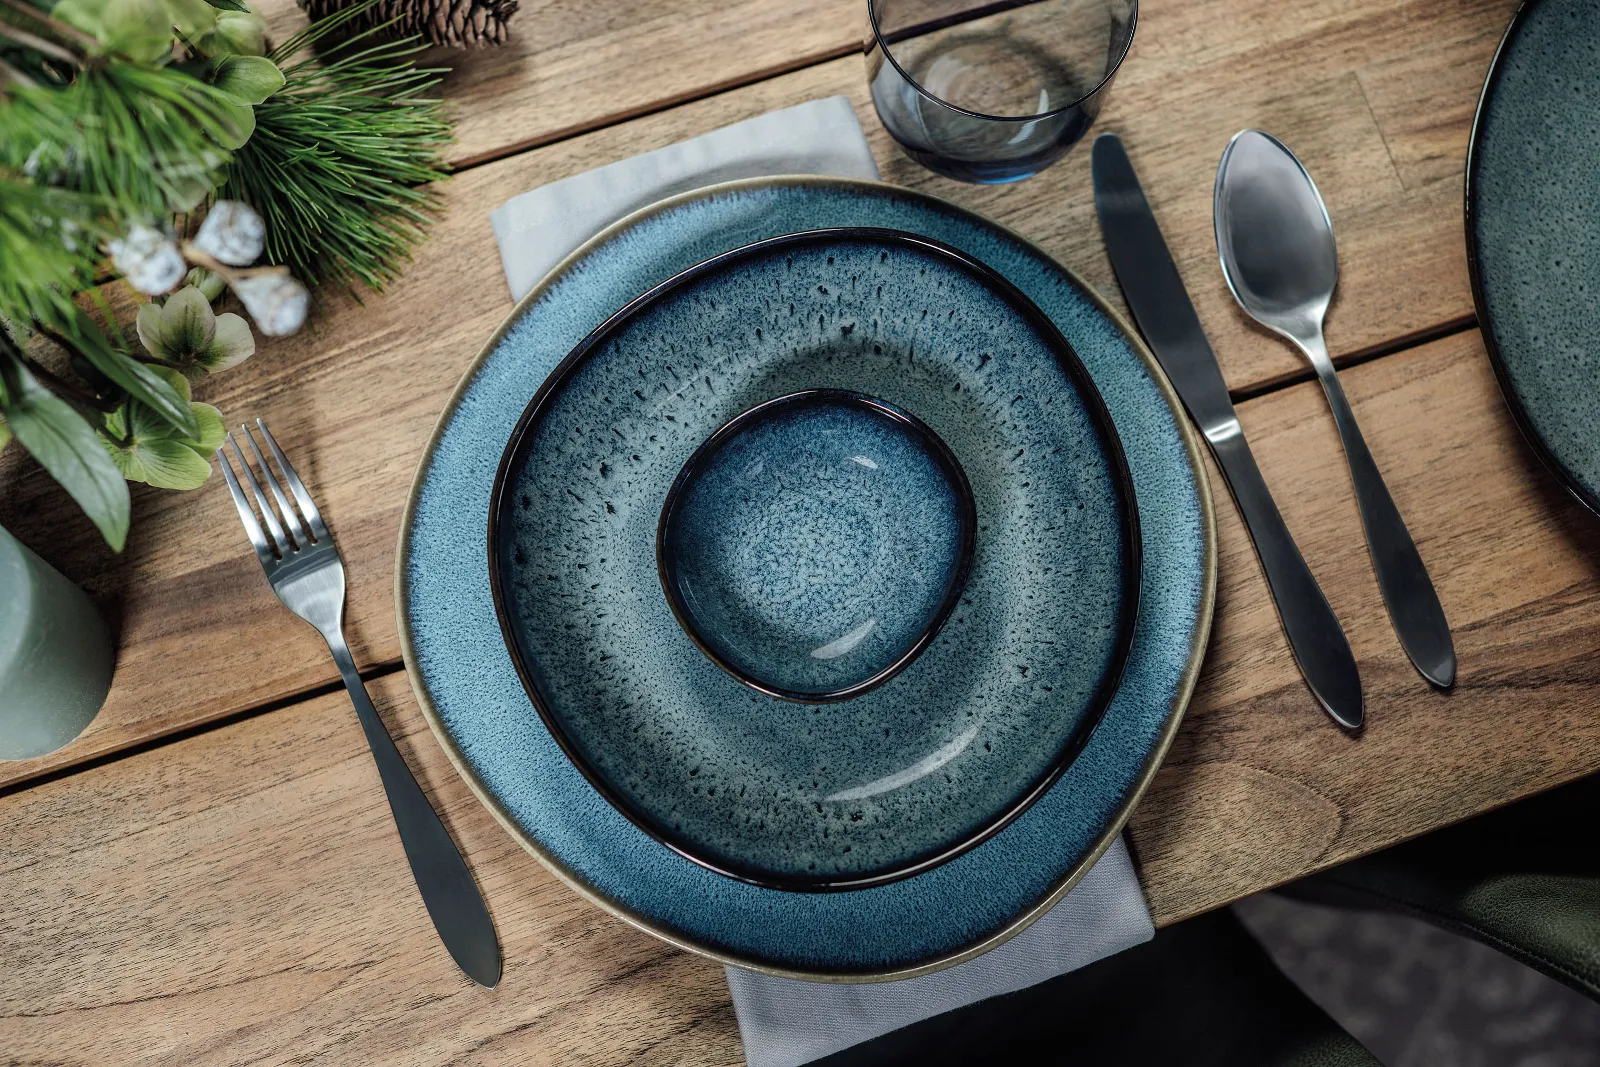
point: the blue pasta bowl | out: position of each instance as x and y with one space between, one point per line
820 560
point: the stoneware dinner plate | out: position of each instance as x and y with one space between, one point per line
813 550
1533 232
467 683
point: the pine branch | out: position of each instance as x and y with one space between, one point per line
23 39
342 159
62 31
13 76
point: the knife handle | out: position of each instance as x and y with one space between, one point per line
1315 636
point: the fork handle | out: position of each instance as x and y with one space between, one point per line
448 889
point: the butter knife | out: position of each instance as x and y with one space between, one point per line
1165 315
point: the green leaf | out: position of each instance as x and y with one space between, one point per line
141 382
250 79
164 462
138 29
194 18
241 122
177 381
242 33
65 445
5 435
82 14
158 455
212 429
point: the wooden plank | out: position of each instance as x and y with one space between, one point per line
241 895
1258 787
355 396
570 67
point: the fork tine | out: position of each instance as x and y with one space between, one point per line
279 539
289 518
296 486
246 514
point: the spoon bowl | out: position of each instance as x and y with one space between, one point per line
1274 235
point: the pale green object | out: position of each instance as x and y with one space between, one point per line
56 655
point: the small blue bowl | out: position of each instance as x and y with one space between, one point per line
814 544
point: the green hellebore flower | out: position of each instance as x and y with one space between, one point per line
156 454
185 331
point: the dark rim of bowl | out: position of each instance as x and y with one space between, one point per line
666 570
882 42
1502 371
1111 445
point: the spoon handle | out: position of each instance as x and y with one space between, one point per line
1408 592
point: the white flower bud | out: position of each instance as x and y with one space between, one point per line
276 301
149 258
232 233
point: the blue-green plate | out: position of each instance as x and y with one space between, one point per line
468 686
1533 232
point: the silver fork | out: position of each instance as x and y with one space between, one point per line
305 571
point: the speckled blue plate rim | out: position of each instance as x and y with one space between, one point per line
1471 208
956 911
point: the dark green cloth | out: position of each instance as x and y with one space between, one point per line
1524 879
1201 994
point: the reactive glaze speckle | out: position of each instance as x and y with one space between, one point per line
815 543
912 771
1533 220
468 685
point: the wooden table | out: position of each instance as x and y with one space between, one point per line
210 874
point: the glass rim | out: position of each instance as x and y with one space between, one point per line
883 45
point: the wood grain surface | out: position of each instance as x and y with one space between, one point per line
355 396
570 66
240 896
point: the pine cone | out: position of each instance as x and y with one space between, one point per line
455 23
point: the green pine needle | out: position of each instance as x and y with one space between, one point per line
340 159
48 239
145 140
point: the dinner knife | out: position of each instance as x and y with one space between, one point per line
1165 315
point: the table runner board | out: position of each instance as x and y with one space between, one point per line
570 66
355 396
1259 787
241 894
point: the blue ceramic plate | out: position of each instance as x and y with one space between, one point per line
1533 232
468 686
918 769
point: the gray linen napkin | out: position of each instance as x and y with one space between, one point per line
785 1022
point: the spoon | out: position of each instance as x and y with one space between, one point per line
1276 245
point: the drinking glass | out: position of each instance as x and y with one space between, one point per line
997 91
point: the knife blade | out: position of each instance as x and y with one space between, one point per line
1165 315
